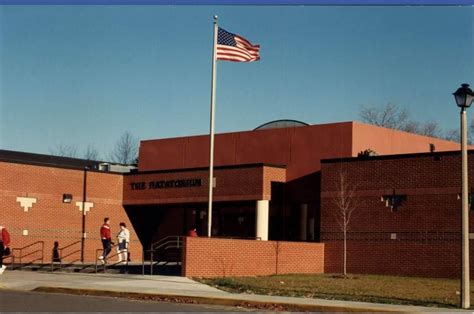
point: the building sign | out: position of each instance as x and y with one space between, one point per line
166 184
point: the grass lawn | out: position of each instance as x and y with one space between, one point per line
368 288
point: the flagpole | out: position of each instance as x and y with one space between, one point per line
211 132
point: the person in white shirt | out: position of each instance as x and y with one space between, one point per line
123 241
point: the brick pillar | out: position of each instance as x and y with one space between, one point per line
261 221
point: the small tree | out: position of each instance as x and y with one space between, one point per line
277 247
125 150
346 203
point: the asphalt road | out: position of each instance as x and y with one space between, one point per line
18 301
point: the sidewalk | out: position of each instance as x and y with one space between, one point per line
112 284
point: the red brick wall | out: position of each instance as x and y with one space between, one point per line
271 174
214 257
405 258
52 220
388 141
426 226
232 184
300 149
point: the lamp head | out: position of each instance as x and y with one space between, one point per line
464 96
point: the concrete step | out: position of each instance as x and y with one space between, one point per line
167 269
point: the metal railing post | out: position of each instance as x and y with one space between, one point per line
143 261
96 258
52 261
151 262
60 259
42 252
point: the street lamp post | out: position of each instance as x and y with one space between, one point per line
464 97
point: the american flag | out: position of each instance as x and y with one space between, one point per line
232 47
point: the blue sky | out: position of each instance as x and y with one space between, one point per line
82 75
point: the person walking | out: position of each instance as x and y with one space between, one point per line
106 240
123 241
56 257
192 232
4 246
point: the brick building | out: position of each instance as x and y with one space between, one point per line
270 183
408 215
43 198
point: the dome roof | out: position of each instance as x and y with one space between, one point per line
284 123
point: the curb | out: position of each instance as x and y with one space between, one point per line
259 305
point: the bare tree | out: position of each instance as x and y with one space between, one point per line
430 128
395 117
91 153
346 203
412 127
125 150
455 136
64 150
452 135
390 116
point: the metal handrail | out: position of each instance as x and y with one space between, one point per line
143 261
169 242
62 257
14 257
8 256
158 244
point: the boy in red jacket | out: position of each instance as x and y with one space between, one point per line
4 243
106 240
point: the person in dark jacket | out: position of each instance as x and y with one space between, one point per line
56 257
